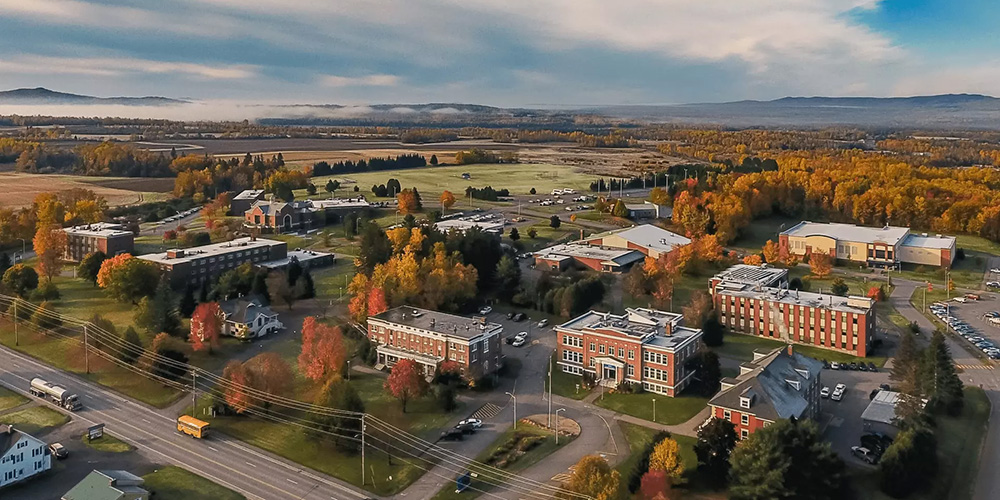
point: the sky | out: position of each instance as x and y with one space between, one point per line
500 52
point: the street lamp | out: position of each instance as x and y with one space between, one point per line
349 379
514 399
22 248
557 424
654 409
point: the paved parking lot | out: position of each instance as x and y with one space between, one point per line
842 419
972 313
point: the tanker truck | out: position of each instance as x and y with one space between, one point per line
58 395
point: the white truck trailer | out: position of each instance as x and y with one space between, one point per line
58 395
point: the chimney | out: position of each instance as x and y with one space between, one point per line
790 349
581 233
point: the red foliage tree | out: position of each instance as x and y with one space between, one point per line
376 302
406 381
877 293
206 326
323 352
270 373
236 396
655 483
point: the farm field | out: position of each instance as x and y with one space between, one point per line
519 178
20 189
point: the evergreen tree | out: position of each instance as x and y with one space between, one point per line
416 195
90 265
839 287
188 303
508 275
158 313
554 222
305 287
906 373
293 271
434 159
130 337
716 441
259 287
514 235
941 380
909 463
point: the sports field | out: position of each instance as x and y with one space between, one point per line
431 181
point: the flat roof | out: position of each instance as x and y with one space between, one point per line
639 322
300 255
464 224
882 408
611 255
215 249
851 304
763 275
359 202
438 322
848 232
99 229
926 241
649 236
249 194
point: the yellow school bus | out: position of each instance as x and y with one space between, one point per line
192 426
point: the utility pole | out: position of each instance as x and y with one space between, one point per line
550 393
15 321
514 399
363 451
194 392
86 345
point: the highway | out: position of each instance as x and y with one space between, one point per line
254 473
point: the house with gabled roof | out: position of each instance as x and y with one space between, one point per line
248 318
108 485
780 384
22 456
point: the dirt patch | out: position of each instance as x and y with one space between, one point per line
567 426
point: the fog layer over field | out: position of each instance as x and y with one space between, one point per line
202 110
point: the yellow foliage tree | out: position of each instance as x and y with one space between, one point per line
753 260
771 252
666 457
50 245
595 478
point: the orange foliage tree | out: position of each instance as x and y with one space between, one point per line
771 252
447 199
820 264
206 326
407 202
753 260
270 373
323 353
406 381
236 395
50 246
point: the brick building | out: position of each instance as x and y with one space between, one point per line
614 251
193 266
244 200
747 303
775 385
642 346
112 239
282 217
431 337
886 246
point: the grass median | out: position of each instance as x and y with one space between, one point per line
172 482
10 399
669 411
35 419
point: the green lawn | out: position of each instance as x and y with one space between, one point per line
10 399
108 443
966 273
431 181
505 448
960 441
34 419
331 282
669 411
172 482
741 347
638 437
753 237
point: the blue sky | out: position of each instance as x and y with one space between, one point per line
509 53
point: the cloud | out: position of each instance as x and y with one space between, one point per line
116 67
359 81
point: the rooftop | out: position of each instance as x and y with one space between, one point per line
358 202
439 322
300 255
213 250
616 256
249 194
100 229
495 225
762 275
649 236
108 485
926 241
648 325
776 385
882 409
9 436
244 310
850 304
849 232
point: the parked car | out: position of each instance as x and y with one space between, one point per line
486 310
864 454
972 296
465 428
452 435
872 367
519 317
475 422
995 270
58 450
543 323
521 335
835 365
824 392
853 365
862 366
517 342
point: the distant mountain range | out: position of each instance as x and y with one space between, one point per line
40 95
935 111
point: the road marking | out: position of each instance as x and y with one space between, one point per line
147 421
213 449
291 481
251 464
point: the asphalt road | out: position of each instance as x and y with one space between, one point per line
254 473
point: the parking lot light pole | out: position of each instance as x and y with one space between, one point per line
654 409
557 424
514 399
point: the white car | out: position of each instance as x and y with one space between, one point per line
824 392
486 310
521 335
834 365
995 270
474 422
837 395
543 323
518 342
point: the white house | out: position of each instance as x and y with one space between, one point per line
21 456
248 318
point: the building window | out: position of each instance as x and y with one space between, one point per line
631 354
600 349
726 414
593 347
744 419
744 433
631 371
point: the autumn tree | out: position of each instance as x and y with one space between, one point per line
753 260
50 246
128 279
820 264
20 279
771 252
877 293
158 313
619 210
170 361
698 310
655 484
236 395
593 477
406 381
206 326
270 373
323 352
90 265
447 200
376 302
407 202
660 196
339 394
666 457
